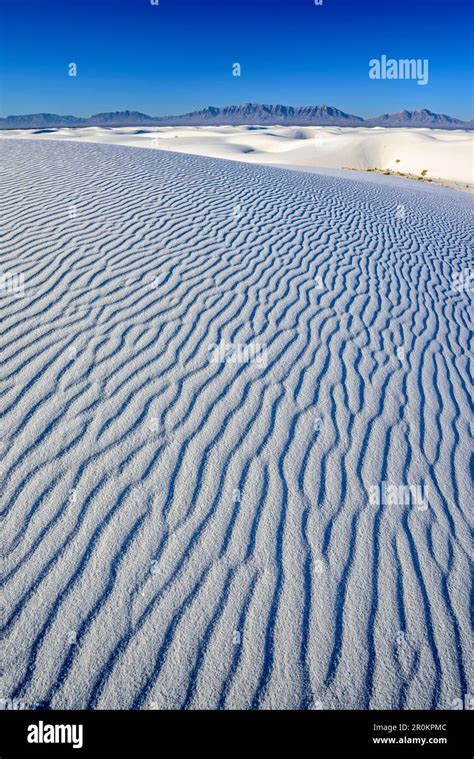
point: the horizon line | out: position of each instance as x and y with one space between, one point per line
232 105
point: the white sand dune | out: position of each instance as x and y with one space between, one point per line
190 527
445 155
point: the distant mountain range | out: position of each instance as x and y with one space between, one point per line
250 113
255 113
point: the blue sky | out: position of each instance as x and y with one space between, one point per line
177 57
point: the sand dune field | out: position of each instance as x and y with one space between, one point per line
236 426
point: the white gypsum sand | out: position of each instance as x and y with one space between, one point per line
216 373
434 155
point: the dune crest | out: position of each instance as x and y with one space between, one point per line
437 155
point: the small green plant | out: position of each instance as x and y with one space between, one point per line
424 172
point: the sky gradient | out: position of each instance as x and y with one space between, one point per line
177 57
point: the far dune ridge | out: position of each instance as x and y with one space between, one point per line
236 423
442 156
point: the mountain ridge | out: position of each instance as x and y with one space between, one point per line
247 113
